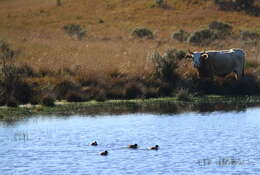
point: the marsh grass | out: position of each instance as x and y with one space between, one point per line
153 105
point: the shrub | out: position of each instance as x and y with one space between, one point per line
248 35
74 97
165 89
203 36
181 35
132 90
26 71
159 2
151 92
101 96
180 54
58 2
165 65
143 33
183 95
12 102
48 100
221 29
75 30
220 26
12 86
6 53
64 87
246 5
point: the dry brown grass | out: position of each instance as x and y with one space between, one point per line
35 28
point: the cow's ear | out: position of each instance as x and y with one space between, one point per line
204 56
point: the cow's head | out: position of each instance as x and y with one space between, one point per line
198 58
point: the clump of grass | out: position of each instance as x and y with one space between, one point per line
249 35
181 35
216 30
100 21
203 36
143 33
221 29
184 95
75 30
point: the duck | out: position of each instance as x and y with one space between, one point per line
133 146
94 143
104 153
156 147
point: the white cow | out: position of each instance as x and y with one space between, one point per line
219 63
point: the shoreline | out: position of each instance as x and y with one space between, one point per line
165 105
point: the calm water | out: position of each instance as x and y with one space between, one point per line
190 143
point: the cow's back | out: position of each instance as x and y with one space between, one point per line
226 61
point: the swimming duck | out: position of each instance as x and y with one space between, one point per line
156 147
94 143
133 146
104 153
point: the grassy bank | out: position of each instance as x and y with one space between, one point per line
157 105
100 50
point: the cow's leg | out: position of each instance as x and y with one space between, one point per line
238 75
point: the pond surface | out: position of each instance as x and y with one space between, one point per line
190 143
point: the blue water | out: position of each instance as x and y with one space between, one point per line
190 143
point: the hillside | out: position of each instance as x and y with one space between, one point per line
35 30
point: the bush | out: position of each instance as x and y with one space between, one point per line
239 5
101 96
159 2
75 30
13 88
181 35
165 65
180 54
6 53
248 35
74 97
48 100
12 102
221 29
202 36
64 87
143 33
58 2
165 89
183 95
26 71
132 91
